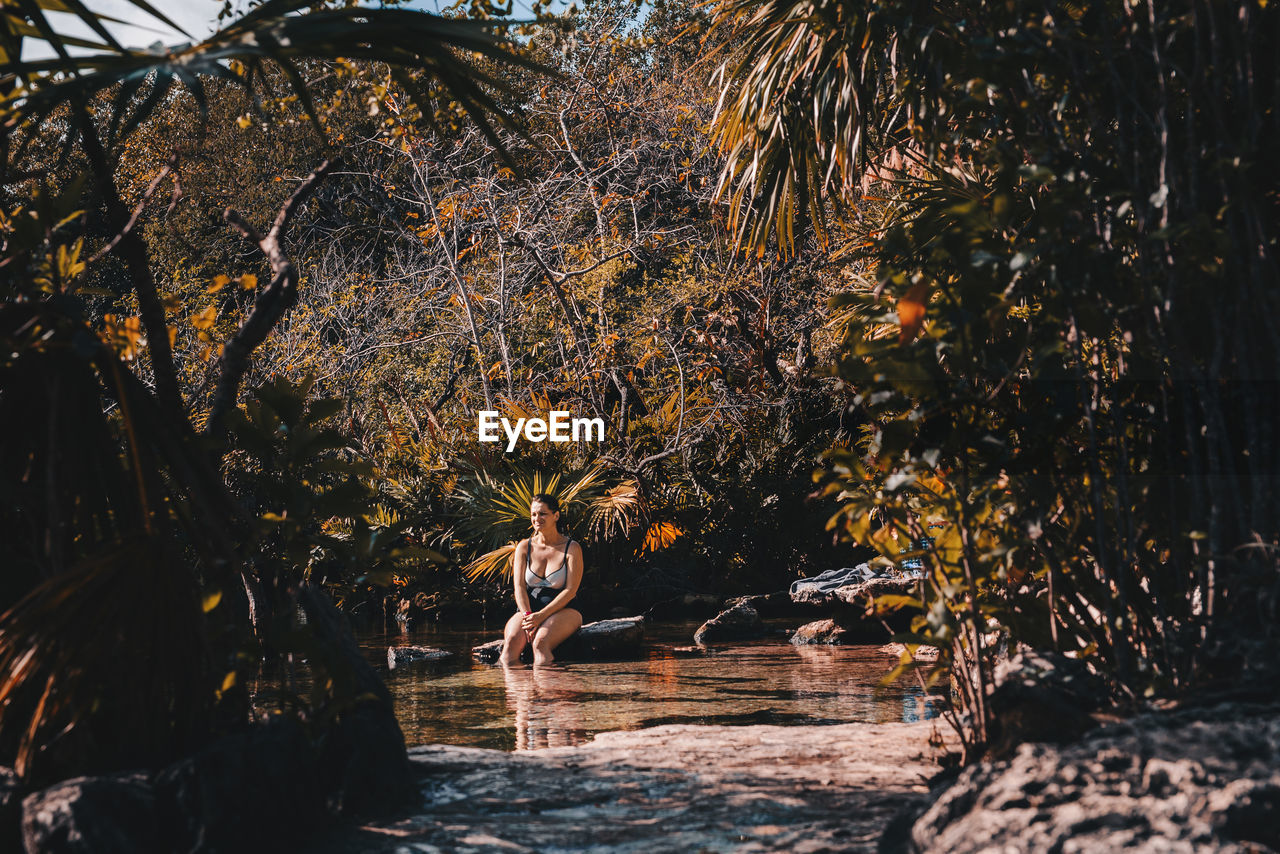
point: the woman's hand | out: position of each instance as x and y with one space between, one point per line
531 621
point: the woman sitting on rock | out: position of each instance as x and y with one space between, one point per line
547 569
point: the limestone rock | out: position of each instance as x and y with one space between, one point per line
11 792
249 788
856 595
779 604
690 651
1042 696
606 639
1196 780
673 788
399 656
93 815
741 622
361 759
827 632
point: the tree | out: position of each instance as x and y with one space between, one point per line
114 508
1063 349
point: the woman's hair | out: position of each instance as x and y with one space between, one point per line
551 503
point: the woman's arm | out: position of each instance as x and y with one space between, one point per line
570 590
517 574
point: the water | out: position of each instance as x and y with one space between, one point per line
458 701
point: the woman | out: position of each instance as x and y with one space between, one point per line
547 569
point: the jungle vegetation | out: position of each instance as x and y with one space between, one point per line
987 285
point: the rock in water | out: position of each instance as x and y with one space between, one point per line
607 639
856 595
827 632
399 656
741 622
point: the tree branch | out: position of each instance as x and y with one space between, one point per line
272 302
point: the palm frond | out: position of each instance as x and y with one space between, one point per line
491 565
797 109
446 50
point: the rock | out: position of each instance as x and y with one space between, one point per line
923 653
1042 696
1194 780
487 652
94 815
689 651
617 638
11 792
821 632
672 788
740 622
857 595
361 762
257 788
606 639
779 604
399 656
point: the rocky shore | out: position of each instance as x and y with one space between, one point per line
1190 780
672 788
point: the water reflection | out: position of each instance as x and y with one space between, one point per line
546 702
460 702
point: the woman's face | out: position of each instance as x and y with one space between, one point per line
541 517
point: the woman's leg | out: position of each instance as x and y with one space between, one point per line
513 640
552 632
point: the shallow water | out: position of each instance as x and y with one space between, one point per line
459 701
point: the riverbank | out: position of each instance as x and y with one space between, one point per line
673 788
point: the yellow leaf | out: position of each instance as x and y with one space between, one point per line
660 535
228 682
248 281
211 600
911 309
219 282
204 320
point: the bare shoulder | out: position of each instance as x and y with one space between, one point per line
575 549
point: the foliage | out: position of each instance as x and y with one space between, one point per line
1062 343
118 523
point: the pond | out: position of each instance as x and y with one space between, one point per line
460 701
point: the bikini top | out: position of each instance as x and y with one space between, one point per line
532 579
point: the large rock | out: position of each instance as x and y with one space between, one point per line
400 656
1042 696
11 792
1195 780
779 604
620 638
674 788
856 596
741 622
247 791
114 814
361 760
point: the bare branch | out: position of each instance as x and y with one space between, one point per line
138 209
272 301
